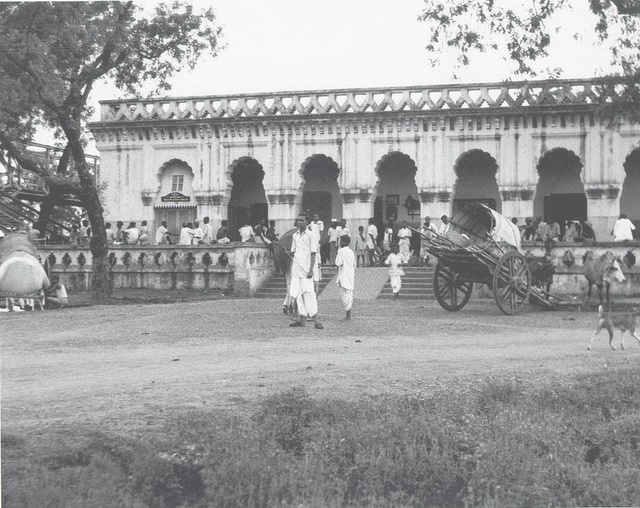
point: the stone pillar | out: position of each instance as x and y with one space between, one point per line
213 206
435 203
517 202
603 207
283 209
357 208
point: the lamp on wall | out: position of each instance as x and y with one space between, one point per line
412 205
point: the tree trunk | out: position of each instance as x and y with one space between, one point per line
99 247
91 202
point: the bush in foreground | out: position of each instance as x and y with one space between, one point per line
488 442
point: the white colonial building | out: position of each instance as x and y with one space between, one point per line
525 148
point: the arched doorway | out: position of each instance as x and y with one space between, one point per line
321 192
175 202
476 182
248 202
560 192
396 192
630 196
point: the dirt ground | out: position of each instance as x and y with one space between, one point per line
127 366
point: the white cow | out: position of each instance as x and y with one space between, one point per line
21 274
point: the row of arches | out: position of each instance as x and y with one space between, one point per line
559 194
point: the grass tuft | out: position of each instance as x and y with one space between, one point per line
490 441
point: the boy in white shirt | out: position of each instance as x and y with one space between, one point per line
56 294
395 261
346 263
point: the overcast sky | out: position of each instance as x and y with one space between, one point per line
277 45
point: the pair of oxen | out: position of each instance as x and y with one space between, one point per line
21 274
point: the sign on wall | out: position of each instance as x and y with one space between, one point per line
175 197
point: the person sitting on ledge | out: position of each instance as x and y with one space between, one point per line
222 236
588 233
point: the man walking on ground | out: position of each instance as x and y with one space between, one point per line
304 248
346 263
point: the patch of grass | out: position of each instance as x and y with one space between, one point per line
493 441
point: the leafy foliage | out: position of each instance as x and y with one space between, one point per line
524 34
51 56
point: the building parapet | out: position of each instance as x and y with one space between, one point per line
535 96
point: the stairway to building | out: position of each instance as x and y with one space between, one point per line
275 286
417 284
14 213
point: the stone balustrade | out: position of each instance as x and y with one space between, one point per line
249 265
555 95
167 266
571 280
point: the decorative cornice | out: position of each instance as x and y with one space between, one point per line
526 194
516 194
281 199
602 191
549 95
349 197
433 195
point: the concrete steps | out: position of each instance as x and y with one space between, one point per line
417 284
275 286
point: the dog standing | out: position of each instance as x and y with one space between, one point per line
622 320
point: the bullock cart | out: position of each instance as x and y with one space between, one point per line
482 246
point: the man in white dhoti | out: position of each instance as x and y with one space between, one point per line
404 241
346 263
304 248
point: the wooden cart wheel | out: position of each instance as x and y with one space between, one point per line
511 282
451 291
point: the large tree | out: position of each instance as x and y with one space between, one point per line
51 56
523 32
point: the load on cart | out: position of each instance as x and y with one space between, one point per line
482 246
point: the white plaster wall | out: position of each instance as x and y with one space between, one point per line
129 166
123 172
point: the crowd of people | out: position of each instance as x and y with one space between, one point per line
366 243
312 247
574 231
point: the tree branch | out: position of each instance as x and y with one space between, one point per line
626 7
